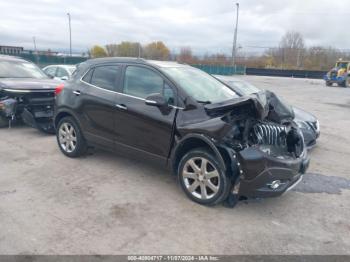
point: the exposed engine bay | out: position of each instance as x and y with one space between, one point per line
266 147
263 121
33 107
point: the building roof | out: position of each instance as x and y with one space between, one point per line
8 46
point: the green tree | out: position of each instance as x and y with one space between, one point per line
124 49
156 50
98 51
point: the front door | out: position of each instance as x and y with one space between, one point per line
140 126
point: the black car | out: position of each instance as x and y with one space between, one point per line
308 123
26 93
219 145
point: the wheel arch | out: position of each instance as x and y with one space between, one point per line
193 141
64 113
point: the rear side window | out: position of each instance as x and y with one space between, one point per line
61 72
105 77
51 71
87 76
141 82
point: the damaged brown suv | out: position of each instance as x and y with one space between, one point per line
219 145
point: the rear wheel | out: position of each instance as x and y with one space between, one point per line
70 139
202 178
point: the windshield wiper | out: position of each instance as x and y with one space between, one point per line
204 102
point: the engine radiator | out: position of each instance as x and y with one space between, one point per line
270 134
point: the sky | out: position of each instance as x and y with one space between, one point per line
204 25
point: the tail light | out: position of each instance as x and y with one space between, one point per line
59 89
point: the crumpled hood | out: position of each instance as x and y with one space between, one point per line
265 104
257 101
31 84
279 110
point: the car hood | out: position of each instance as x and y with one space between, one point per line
301 115
265 104
257 101
27 84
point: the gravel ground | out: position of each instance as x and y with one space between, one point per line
107 204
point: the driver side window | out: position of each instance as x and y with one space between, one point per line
142 82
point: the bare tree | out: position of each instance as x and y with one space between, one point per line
292 49
186 56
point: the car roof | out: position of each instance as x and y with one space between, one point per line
12 58
228 78
62 65
133 60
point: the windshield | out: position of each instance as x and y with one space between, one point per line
15 69
71 69
342 65
199 85
243 88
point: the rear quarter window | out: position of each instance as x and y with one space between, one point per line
87 76
105 77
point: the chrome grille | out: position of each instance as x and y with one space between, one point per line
270 134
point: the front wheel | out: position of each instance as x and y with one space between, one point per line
202 179
347 82
328 83
69 137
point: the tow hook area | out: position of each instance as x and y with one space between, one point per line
28 118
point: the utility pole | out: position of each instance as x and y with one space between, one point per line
35 51
34 42
234 49
139 50
70 35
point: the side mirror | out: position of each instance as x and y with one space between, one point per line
156 100
64 78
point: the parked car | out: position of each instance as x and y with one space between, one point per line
26 93
59 72
307 122
219 145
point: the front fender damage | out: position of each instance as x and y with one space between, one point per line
259 139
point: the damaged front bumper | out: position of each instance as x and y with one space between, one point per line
262 175
41 120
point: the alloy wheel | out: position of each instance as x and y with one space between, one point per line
67 137
201 178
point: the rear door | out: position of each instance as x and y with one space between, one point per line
98 96
140 126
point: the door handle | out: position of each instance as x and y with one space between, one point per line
121 106
77 92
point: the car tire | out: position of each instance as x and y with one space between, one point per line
3 122
347 82
328 83
70 138
202 178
